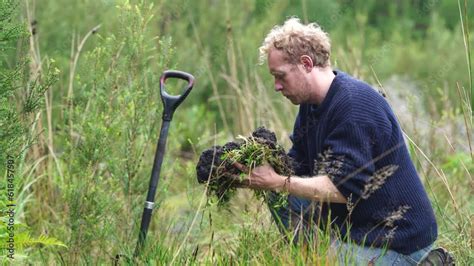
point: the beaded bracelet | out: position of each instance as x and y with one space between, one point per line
287 184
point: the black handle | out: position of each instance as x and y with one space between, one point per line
171 102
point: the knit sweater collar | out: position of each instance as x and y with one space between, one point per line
317 110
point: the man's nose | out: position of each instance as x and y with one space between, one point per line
278 86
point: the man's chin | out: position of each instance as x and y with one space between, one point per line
293 100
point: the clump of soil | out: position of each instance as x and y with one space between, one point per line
220 172
216 168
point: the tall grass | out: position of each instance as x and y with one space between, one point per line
465 96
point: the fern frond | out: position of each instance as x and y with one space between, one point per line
24 240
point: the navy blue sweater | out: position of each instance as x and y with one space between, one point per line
354 138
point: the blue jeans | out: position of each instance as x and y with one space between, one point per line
300 218
352 254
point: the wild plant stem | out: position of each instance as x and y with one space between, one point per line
466 122
72 72
211 79
439 172
465 33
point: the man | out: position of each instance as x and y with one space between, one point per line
350 156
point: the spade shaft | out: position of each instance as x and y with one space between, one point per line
170 103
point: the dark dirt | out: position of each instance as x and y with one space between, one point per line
265 136
223 176
212 159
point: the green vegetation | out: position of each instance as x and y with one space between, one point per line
15 138
80 113
216 166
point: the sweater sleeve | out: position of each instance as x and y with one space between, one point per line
348 148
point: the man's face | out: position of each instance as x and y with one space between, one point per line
289 78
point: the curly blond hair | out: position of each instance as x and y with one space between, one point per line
296 39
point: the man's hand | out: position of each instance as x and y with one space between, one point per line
318 188
262 177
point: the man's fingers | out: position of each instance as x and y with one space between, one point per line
243 184
241 167
239 181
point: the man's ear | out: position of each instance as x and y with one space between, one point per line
307 62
